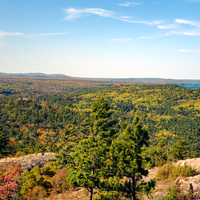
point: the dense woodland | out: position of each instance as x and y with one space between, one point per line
35 123
52 113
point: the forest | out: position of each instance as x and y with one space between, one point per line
71 117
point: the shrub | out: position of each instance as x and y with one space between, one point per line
7 186
59 183
164 171
172 171
38 192
173 194
184 171
20 153
37 177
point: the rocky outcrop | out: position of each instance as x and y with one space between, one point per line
189 186
194 163
30 161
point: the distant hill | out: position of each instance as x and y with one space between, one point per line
32 75
122 80
38 74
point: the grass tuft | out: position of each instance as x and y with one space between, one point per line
171 171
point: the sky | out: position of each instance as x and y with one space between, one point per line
101 38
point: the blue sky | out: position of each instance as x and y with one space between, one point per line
99 38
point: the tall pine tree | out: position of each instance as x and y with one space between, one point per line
124 166
90 153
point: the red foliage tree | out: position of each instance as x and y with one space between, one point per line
8 186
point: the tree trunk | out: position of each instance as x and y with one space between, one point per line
91 189
90 194
133 187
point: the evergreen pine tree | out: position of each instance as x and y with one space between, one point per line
124 166
180 149
90 153
4 142
69 141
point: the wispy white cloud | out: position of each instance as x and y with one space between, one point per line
189 51
127 4
2 33
120 40
170 26
191 33
185 32
45 34
73 13
124 17
152 23
188 22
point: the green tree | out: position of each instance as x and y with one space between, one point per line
90 152
4 142
125 164
180 149
69 139
37 177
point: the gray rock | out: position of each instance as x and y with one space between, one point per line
28 162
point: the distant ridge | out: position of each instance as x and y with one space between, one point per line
122 80
33 74
149 80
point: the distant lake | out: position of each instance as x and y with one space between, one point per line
190 86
